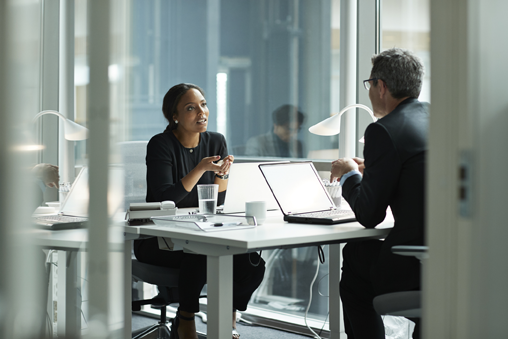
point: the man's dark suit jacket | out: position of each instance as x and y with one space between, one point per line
394 175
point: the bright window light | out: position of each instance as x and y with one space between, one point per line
222 85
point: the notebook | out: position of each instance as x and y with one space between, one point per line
301 195
73 212
246 183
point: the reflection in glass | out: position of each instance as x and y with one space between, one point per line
282 140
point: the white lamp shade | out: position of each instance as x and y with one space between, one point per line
74 131
329 126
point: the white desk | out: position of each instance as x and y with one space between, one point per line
274 233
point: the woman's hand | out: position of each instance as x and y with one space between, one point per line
208 164
225 165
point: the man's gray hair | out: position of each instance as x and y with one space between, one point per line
401 70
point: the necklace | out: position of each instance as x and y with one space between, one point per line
191 149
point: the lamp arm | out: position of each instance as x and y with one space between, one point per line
359 106
38 115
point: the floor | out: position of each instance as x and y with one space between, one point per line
395 328
246 331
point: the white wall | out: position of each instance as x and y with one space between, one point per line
466 277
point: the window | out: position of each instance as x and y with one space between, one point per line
406 24
259 62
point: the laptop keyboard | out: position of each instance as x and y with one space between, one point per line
59 218
325 214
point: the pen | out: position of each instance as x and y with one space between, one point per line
219 224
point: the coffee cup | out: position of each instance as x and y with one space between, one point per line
256 209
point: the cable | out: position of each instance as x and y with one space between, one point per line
268 269
256 265
318 285
324 323
321 254
316 336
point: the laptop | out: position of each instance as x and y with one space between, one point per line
73 212
301 195
246 183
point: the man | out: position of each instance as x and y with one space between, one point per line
281 141
392 175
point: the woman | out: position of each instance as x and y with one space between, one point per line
179 159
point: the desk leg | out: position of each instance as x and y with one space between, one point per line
127 286
333 283
69 295
220 296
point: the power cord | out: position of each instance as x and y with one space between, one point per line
326 275
321 259
321 330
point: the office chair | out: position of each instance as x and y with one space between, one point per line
406 303
133 155
166 280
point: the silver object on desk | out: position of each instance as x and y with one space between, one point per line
301 195
207 222
140 213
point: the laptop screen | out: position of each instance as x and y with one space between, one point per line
297 187
77 200
246 183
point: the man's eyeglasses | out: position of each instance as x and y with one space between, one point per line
366 83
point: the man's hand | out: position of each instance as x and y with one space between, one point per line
341 167
47 173
361 164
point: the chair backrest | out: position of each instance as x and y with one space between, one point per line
133 154
165 278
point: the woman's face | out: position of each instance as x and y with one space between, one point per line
192 112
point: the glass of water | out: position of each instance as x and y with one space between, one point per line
207 197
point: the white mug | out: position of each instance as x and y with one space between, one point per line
256 209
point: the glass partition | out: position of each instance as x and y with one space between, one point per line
266 68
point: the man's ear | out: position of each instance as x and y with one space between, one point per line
382 89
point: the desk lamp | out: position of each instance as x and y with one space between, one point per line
331 125
72 130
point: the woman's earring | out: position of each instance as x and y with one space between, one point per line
176 121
